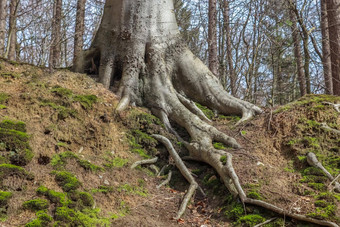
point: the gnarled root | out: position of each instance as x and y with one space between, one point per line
144 162
324 126
183 169
336 106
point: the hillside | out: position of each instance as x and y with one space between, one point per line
66 157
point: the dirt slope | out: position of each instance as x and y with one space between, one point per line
66 157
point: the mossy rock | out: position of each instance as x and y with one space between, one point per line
67 181
36 204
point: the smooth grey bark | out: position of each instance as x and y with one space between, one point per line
3 16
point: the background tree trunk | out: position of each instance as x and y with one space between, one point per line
297 54
212 38
333 10
55 49
231 71
3 16
326 50
12 32
79 30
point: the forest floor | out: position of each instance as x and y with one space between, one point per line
66 157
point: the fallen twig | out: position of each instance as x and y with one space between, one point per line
266 222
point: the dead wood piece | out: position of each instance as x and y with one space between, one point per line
144 162
327 128
336 106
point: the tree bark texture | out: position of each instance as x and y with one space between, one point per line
231 70
79 30
12 32
326 49
297 54
3 16
55 50
212 38
143 59
333 11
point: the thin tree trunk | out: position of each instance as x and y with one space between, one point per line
333 11
232 74
12 32
326 49
3 15
55 49
79 30
212 38
297 54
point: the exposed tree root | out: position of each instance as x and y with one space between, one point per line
327 128
167 180
336 106
144 162
313 161
183 169
266 222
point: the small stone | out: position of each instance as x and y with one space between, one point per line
101 177
259 164
81 150
106 182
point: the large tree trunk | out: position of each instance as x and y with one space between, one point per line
79 30
333 10
326 49
3 15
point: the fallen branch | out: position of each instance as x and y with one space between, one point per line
144 162
166 181
184 171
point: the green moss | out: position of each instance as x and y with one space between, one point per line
4 197
10 75
87 217
2 107
61 144
62 111
62 92
81 200
60 160
67 181
207 112
133 190
58 198
254 195
10 170
219 146
223 159
123 211
313 171
235 211
321 203
313 179
103 189
15 142
323 212
318 186
42 220
250 220
3 98
116 163
86 101
36 204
